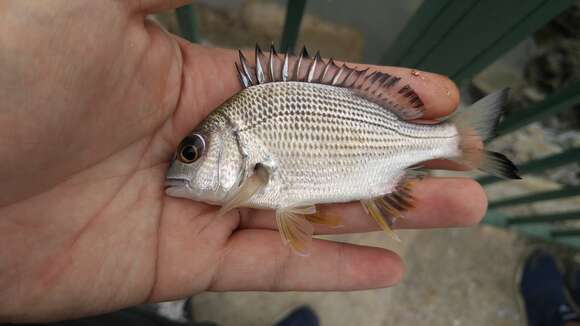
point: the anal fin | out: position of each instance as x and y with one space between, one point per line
384 221
387 209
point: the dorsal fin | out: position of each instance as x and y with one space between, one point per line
378 87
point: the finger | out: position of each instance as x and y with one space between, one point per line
440 202
443 164
440 95
210 78
257 260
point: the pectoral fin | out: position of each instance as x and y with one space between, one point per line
295 229
258 180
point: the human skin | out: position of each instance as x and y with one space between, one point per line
94 100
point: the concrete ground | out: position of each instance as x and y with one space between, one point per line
454 277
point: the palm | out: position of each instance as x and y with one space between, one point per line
85 225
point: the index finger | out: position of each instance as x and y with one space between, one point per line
439 94
257 260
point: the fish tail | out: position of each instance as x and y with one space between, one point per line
477 124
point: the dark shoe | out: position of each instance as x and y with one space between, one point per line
572 279
302 316
543 291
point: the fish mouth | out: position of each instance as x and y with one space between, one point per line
175 182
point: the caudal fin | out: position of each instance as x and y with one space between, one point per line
477 124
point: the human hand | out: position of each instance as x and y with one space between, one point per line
95 99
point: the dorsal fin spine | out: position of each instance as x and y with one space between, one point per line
358 77
392 81
303 55
380 82
372 80
337 76
404 90
312 68
273 55
245 68
259 67
375 86
366 79
243 78
285 68
343 83
329 64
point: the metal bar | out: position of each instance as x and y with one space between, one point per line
569 156
536 230
559 101
186 21
537 197
477 30
460 38
453 15
565 233
415 29
544 218
294 13
530 23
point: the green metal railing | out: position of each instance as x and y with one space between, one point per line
459 38
186 20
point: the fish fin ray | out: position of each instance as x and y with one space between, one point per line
260 69
477 124
245 69
273 62
373 211
244 80
387 209
303 57
252 184
295 229
380 88
330 220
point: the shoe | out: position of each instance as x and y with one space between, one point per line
543 291
572 279
302 316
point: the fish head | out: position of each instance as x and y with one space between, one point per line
206 164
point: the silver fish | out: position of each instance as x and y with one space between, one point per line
304 132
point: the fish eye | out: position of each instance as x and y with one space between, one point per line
191 148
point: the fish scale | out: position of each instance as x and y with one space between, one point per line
304 132
329 144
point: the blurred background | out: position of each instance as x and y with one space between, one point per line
456 276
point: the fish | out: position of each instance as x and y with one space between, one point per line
305 131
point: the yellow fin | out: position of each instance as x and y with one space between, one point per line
382 220
387 209
314 216
331 220
295 229
247 189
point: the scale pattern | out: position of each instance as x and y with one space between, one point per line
328 144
